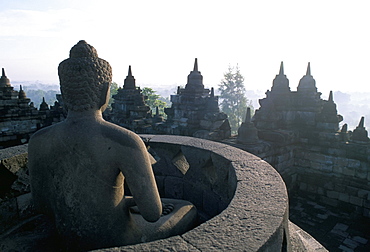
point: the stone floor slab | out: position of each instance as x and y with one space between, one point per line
340 231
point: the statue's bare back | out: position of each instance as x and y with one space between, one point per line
78 168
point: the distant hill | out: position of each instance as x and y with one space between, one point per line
352 106
32 85
36 91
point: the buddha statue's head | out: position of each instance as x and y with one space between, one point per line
84 79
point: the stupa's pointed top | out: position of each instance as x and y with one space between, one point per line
195 78
212 92
281 83
248 115
308 72
195 65
44 105
281 72
129 71
307 83
4 81
130 82
360 133
331 96
21 93
362 122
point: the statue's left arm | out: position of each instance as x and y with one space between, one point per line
140 178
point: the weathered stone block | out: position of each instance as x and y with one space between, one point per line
348 172
360 239
340 188
205 124
303 163
193 194
327 168
352 190
313 156
356 201
361 174
366 212
173 187
338 169
316 165
216 125
343 197
356 183
336 152
354 163
341 161
320 191
328 185
211 203
329 201
312 188
183 120
332 194
367 203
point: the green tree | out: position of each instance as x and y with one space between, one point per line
154 100
233 100
113 91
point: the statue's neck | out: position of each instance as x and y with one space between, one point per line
89 115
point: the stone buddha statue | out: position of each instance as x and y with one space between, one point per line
78 168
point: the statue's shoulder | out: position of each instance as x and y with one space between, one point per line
121 135
44 134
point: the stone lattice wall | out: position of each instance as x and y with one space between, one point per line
336 176
333 173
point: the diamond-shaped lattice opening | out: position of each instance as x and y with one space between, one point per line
154 158
179 160
210 171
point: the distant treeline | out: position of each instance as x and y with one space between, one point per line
37 95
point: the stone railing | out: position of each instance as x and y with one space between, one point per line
242 201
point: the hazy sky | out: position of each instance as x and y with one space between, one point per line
160 39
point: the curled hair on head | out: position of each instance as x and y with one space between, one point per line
82 77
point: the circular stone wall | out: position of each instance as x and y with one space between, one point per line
242 201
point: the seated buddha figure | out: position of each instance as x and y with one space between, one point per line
78 168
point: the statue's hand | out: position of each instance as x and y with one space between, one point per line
167 208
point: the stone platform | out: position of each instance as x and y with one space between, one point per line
242 201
